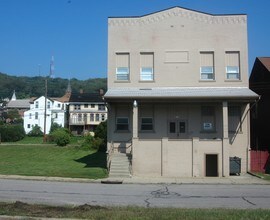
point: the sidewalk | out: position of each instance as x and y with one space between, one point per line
243 179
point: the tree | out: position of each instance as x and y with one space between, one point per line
35 132
101 133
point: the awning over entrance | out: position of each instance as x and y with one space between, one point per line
182 93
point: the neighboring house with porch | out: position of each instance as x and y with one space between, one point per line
55 113
86 111
259 82
178 96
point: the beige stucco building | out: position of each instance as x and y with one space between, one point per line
178 97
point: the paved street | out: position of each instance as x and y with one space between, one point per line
146 195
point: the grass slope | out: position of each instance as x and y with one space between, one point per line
98 212
49 160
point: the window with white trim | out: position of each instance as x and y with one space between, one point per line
122 66
207 66
36 115
147 66
92 117
232 65
36 104
97 117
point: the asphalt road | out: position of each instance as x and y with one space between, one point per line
146 195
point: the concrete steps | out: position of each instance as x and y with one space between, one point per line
119 166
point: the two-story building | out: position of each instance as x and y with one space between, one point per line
86 111
178 96
55 113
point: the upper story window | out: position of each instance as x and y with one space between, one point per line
36 115
93 105
232 65
101 107
36 104
207 66
77 107
122 66
147 66
85 105
48 104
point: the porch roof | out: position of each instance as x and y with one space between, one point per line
182 93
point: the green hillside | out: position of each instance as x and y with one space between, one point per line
27 87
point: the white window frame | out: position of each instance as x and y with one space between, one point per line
207 71
232 71
97 117
92 117
147 75
122 73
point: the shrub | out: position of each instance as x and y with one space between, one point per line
54 127
11 133
101 136
61 137
87 142
35 132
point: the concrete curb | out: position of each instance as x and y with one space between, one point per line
245 179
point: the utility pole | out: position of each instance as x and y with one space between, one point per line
45 110
46 94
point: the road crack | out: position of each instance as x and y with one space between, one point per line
248 201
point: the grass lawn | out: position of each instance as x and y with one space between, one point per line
264 176
50 160
74 140
97 212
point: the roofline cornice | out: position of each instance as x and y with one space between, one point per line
178 12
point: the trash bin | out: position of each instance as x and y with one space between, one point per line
235 165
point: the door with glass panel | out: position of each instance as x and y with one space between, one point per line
177 128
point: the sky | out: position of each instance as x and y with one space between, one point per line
74 32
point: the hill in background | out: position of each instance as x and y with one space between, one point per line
27 87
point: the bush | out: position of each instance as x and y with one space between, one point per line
11 133
61 137
35 132
101 136
54 127
91 143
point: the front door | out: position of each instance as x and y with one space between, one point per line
177 128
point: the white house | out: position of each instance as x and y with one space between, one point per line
55 113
